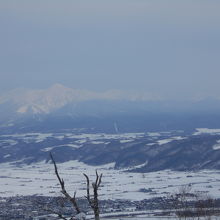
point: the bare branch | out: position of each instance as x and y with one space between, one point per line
94 203
74 195
100 180
62 184
88 191
56 172
97 177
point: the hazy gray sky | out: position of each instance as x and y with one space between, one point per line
167 47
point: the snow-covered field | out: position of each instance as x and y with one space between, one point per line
40 179
77 140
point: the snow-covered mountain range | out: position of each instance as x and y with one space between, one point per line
59 107
47 100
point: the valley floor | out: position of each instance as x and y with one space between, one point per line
123 192
39 179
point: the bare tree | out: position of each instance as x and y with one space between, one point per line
190 205
184 196
94 201
63 189
180 202
205 206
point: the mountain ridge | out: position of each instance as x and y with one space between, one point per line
44 101
59 107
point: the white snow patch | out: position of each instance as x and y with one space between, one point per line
62 145
150 144
154 134
125 141
138 166
165 141
10 124
29 137
73 145
97 142
200 131
47 149
22 109
217 146
10 142
81 141
101 136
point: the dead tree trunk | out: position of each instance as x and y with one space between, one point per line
63 190
94 202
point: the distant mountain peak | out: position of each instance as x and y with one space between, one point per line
40 100
58 86
44 101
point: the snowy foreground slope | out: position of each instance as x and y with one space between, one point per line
39 179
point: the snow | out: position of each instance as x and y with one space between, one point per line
154 134
200 131
80 216
79 139
73 145
138 166
217 146
125 141
28 137
101 136
10 142
45 101
22 109
40 179
46 149
165 141
150 144
97 142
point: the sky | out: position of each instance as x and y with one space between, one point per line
169 48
